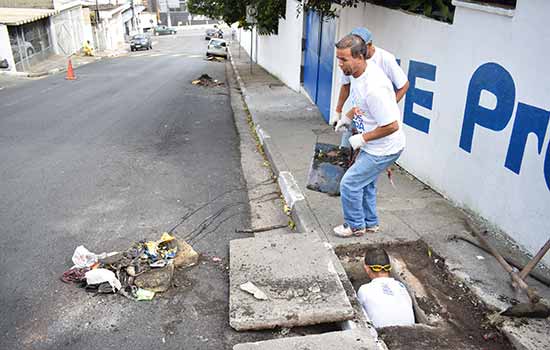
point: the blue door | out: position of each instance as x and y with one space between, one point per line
311 59
319 59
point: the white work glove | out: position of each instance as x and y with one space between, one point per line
356 141
342 125
334 118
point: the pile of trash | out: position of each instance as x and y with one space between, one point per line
215 59
206 80
146 268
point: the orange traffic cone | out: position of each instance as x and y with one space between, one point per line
70 72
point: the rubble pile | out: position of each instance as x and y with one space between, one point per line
206 80
145 268
215 59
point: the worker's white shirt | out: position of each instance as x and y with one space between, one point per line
373 94
386 61
386 302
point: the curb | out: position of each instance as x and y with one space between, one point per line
301 213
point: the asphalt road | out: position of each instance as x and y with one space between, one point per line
119 155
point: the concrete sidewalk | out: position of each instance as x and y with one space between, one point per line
289 125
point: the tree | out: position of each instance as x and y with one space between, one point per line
438 9
231 11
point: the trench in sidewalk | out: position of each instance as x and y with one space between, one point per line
447 314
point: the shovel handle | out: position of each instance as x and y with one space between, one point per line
515 277
533 262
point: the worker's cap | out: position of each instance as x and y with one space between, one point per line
363 33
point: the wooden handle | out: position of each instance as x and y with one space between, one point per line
533 262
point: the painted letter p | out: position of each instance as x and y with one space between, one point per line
494 78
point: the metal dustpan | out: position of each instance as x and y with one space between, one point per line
328 165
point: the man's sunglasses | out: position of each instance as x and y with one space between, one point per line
378 268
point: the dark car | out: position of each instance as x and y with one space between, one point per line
140 42
164 30
213 33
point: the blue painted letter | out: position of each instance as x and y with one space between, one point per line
495 79
420 97
529 119
547 166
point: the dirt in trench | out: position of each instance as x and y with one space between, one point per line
464 323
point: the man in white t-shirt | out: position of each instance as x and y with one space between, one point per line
385 300
383 59
380 137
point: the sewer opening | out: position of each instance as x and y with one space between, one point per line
448 315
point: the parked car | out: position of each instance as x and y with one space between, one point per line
217 47
164 30
213 33
140 41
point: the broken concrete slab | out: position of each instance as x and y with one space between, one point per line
297 274
528 334
359 339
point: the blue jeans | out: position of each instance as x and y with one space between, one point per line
358 189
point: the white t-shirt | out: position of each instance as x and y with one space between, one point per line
373 94
386 61
386 302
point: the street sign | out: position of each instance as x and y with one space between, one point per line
251 13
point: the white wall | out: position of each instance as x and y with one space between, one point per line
68 30
5 47
280 54
519 204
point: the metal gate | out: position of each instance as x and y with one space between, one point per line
319 60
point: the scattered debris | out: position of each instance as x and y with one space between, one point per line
479 257
255 291
215 59
157 280
82 257
75 275
144 294
284 331
206 80
100 276
186 255
145 268
261 229
216 259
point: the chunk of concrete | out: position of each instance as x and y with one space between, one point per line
357 339
298 276
528 334
186 255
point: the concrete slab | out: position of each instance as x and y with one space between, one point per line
358 339
299 276
528 334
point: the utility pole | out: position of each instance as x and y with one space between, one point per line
169 20
133 15
96 12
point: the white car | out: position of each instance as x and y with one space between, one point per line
217 47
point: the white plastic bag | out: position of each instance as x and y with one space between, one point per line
82 257
98 276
